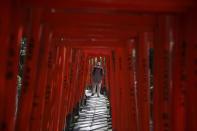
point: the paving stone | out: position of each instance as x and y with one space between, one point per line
95 116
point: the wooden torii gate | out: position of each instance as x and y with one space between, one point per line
62 35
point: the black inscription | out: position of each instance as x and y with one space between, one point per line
9 75
195 61
30 49
11 52
50 60
166 77
48 92
113 60
32 118
26 82
165 117
71 73
35 104
10 64
145 79
3 126
65 81
120 63
183 76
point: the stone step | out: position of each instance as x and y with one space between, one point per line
94 116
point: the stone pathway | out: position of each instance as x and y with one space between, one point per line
95 115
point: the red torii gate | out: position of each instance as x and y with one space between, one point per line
52 67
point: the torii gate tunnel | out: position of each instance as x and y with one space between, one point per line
148 49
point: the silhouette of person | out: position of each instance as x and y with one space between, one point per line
97 76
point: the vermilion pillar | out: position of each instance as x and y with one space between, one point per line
72 78
162 74
49 87
107 61
107 66
179 77
10 38
143 86
64 108
5 14
59 88
123 86
69 80
76 70
191 69
83 66
55 89
121 90
117 90
31 66
132 96
113 89
41 81
84 71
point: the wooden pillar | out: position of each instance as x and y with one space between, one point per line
90 71
41 81
84 74
179 78
70 75
59 88
10 37
132 96
118 89
162 74
54 90
5 14
81 75
191 69
64 108
125 119
49 87
76 78
107 73
72 79
143 86
28 86
123 90
113 96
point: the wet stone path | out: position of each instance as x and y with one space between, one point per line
95 115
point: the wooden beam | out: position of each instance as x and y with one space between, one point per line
99 19
125 5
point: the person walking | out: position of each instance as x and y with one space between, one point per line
97 76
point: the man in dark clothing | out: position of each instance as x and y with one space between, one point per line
97 76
